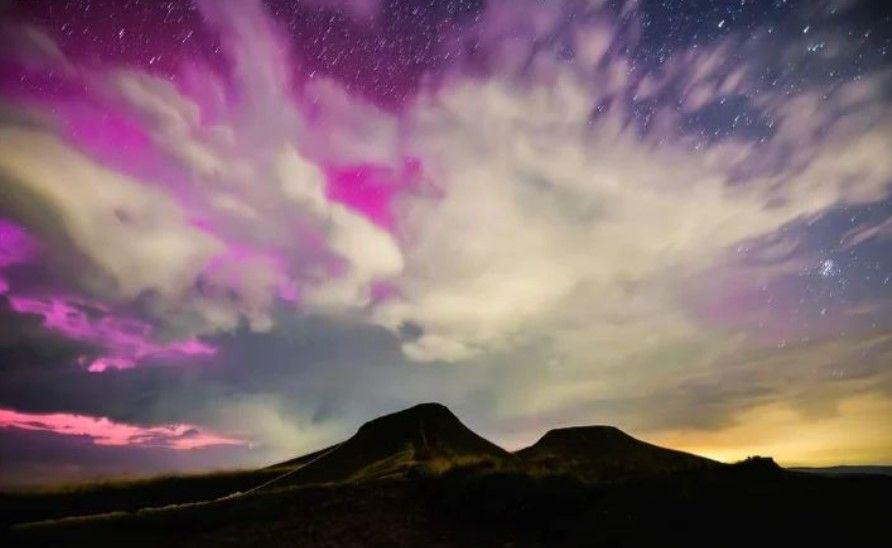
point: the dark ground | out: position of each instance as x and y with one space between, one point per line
749 504
419 477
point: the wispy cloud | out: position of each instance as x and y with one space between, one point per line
103 431
543 212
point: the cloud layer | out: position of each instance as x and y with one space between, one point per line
568 211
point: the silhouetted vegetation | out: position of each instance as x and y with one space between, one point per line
124 495
420 478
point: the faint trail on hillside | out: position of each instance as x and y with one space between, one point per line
277 478
192 504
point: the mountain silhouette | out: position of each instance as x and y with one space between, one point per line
419 477
431 438
425 436
604 452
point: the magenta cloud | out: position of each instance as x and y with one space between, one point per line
103 431
124 341
278 217
223 180
261 214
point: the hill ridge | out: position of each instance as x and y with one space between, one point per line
430 437
603 452
426 435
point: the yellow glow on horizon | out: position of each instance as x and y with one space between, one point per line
860 432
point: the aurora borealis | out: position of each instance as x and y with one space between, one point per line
231 231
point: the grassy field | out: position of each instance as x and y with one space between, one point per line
738 505
124 495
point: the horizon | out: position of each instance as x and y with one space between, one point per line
233 231
135 476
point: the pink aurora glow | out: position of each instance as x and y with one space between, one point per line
222 109
126 341
16 245
103 431
368 190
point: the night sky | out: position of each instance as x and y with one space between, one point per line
231 231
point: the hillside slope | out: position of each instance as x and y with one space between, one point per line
749 504
604 452
426 435
361 492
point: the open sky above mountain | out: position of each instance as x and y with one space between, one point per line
232 231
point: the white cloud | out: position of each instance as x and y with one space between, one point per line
370 253
880 232
345 129
279 432
244 218
134 237
551 224
172 119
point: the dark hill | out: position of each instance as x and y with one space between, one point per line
535 497
428 436
301 460
603 452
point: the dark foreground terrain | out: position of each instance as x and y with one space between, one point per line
420 478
